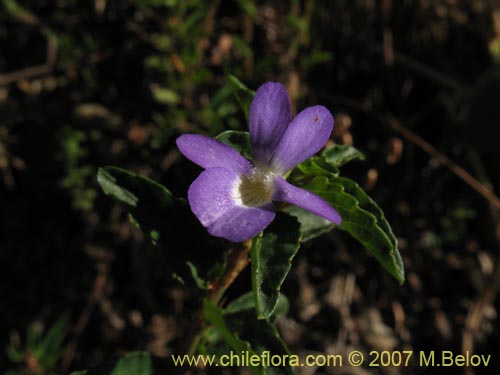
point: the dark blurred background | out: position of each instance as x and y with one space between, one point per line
87 84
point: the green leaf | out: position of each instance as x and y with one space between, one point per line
110 186
317 166
242 303
164 219
50 347
338 155
271 254
200 283
326 165
311 225
281 308
165 96
362 218
249 8
246 302
16 10
134 363
214 315
15 354
263 337
33 337
243 332
238 140
243 94
141 195
316 57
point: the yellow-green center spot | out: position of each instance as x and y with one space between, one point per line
256 189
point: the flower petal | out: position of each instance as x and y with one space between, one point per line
210 153
304 199
305 136
268 119
212 200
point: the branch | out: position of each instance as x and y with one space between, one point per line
486 296
36 70
460 172
404 60
94 296
394 124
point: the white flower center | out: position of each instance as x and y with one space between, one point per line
256 189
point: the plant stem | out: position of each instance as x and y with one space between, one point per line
237 260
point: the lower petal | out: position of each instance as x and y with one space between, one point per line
213 200
304 199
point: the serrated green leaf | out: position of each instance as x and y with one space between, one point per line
311 226
243 94
238 140
271 254
164 219
317 166
134 363
325 165
338 155
362 218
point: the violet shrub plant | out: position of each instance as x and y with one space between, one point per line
260 196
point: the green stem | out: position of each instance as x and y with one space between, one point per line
254 254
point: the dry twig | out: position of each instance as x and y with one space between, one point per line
30 19
460 172
93 298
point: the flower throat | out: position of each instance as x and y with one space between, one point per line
256 189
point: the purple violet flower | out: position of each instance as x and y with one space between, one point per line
233 197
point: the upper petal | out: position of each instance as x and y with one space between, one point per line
268 119
210 153
286 192
305 136
213 200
